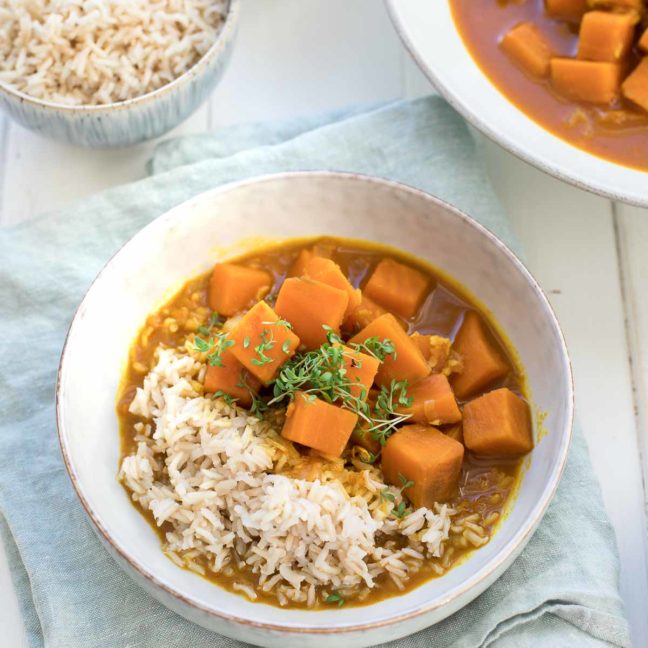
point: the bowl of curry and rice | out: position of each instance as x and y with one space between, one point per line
313 418
108 73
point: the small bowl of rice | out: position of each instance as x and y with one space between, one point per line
110 73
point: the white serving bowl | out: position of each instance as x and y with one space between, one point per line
430 34
227 221
134 120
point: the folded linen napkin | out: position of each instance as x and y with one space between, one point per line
562 590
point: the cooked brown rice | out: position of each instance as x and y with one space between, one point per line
210 472
102 51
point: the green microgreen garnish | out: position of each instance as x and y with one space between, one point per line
323 373
213 347
400 511
285 347
267 342
386 495
280 322
373 346
405 483
214 320
246 341
335 598
228 398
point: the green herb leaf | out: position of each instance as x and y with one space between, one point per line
335 598
374 347
228 398
400 511
405 483
387 496
285 347
246 341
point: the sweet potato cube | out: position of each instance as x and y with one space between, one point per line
483 360
409 363
566 9
361 370
309 306
433 402
454 432
329 272
526 45
364 313
397 287
635 87
231 378
643 41
606 36
298 267
592 81
232 287
618 6
435 349
319 425
427 457
262 344
498 423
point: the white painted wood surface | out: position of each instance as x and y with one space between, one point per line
300 56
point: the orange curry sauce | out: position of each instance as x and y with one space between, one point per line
618 133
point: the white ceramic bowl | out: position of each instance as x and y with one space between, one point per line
232 219
134 120
430 34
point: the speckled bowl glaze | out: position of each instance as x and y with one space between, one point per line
429 32
134 120
225 222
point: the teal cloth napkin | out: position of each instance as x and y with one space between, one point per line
562 590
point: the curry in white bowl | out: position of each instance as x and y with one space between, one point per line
322 423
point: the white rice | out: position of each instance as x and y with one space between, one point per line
206 469
102 51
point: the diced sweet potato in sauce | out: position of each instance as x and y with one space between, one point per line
591 81
364 313
310 305
483 360
409 363
435 349
606 36
397 287
566 9
259 327
618 5
454 431
329 272
433 402
232 288
643 41
635 87
361 370
231 378
526 45
298 268
429 458
498 424
319 425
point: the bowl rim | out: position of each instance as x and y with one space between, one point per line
510 550
225 34
499 137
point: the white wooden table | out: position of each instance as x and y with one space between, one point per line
591 256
